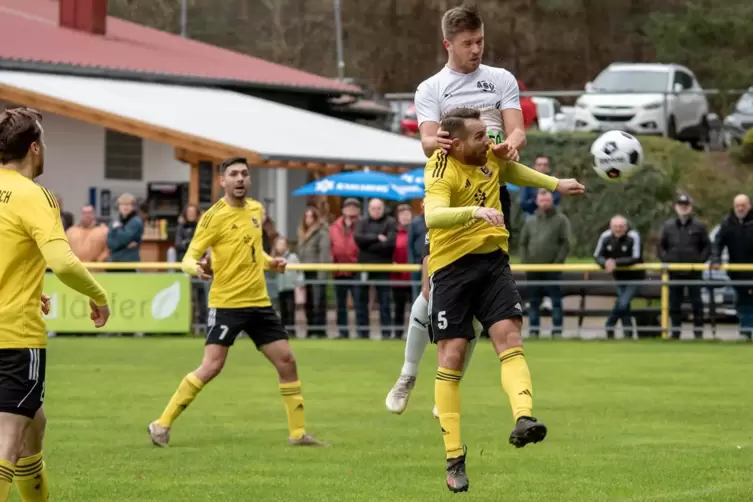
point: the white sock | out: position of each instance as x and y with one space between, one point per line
418 336
477 329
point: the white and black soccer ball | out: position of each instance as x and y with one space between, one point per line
617 155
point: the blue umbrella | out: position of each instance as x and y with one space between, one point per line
416 177
363 184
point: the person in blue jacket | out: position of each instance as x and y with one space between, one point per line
528 194
125 232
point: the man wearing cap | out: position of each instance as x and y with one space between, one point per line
685 239
345 250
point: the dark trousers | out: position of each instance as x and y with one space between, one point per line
343 287
536 294
362 305
676 297
744 307
286 299
621 310
401 295
316 307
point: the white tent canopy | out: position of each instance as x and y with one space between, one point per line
273 130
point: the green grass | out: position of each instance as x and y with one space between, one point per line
627 421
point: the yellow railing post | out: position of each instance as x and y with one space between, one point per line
665 301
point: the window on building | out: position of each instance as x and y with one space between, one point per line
124 156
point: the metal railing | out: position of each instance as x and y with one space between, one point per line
662 279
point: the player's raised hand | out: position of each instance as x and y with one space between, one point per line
278 264
45 304
506 151
570 187
443 140
490 215
99 315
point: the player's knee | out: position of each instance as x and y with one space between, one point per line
34 436
452 353
506 334
210 368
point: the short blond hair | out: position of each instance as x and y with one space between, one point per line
126 197
460 19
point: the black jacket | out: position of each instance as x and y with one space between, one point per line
737 236
684 242
372 250
626 250
183 235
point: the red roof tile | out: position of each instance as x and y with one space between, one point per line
29 32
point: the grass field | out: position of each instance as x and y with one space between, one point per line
627 421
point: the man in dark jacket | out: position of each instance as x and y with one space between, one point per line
620 247
545 238
685 240
736 234
126 232
376 234
416 237
528 194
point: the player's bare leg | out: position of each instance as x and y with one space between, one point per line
451 358
31 473
281 356
211 365
12 429
516 381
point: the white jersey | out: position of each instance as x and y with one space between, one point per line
487 89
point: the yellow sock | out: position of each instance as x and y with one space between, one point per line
516 382
187 390
447 399
7 470
31 479
293 401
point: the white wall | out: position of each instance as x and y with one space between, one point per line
75 161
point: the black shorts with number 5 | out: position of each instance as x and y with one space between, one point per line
476 285
261 324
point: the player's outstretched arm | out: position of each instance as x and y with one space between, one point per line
521 175
71 272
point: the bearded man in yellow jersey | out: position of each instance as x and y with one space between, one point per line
469 275
31 239
238 302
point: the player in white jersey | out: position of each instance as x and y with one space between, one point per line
463 82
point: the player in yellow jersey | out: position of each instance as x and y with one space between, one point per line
238 302
469 275
31 239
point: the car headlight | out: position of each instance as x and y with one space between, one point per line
580 104
653 106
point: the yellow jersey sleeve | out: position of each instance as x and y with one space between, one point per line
521 175
203 239
71 272
439 181
40 216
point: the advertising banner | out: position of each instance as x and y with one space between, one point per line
139 303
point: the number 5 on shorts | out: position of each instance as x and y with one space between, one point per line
441 320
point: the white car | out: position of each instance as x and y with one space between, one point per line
645 99
550 115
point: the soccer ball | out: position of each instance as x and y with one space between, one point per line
617 155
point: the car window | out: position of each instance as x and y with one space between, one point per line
542 110
684 79
557 107
631 81
745 104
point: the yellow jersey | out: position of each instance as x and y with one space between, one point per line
455 191
29 219
238 259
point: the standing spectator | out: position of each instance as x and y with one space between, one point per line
620 247
186 228
736 235
416 243
528 194
269 231
65 216
685 240
88 240
345 250
313 247
126 231
545 238
401 293
375 236
287 282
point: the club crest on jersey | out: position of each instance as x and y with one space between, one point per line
255 221
486 171
485 86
